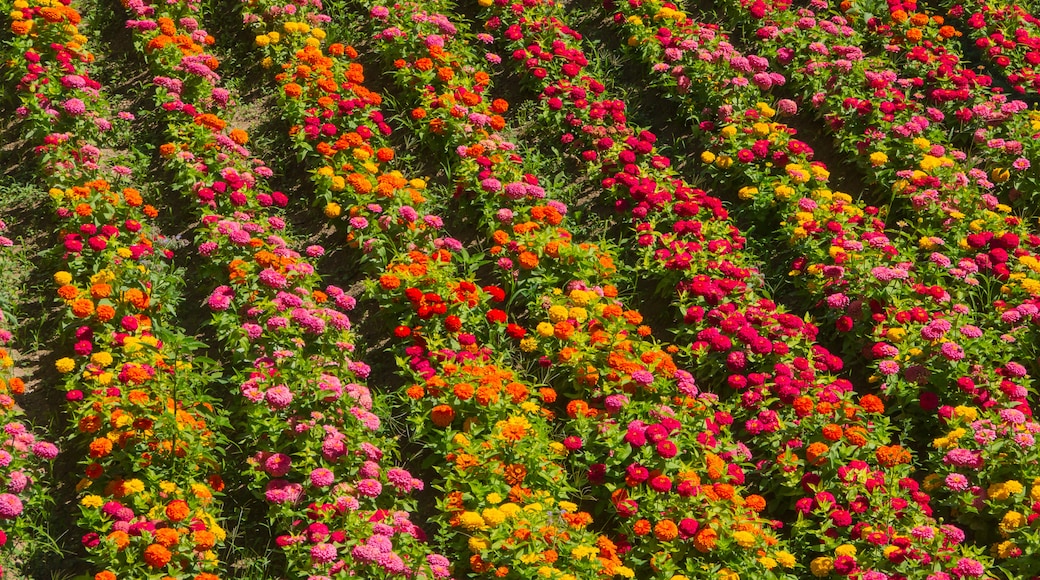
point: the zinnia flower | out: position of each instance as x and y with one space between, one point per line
957 482
74 107
322 477
369 487
969 567
323 553
10 506
157 556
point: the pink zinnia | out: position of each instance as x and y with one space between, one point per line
369 420
952 351
1012 416
643 377
271 278
391 562
408 213
888 367
281 491
279 397
923 532
787 107
963 458
10 506
935 329
399 477
276 322
1015 369
220 300
369 469
956 482
75 107
491 185
18 481
278 464
253 331
369 487
971 331
969 567
323 553
45 450
1025 440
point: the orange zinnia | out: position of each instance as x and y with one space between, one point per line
815 452
90 424
99 290
157 556
577 408
132 196
21 27
487 395
100 447
442 415
892 455
68 292
705 540
166 537
178 510
515 474
517 392
463 391
641 528
82 307
204 540
120 538
666 530
755 503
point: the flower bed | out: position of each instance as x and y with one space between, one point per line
543 429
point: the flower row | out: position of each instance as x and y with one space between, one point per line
470 409
317 452
142 421
23 454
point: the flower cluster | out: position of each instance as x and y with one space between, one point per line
1008 37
